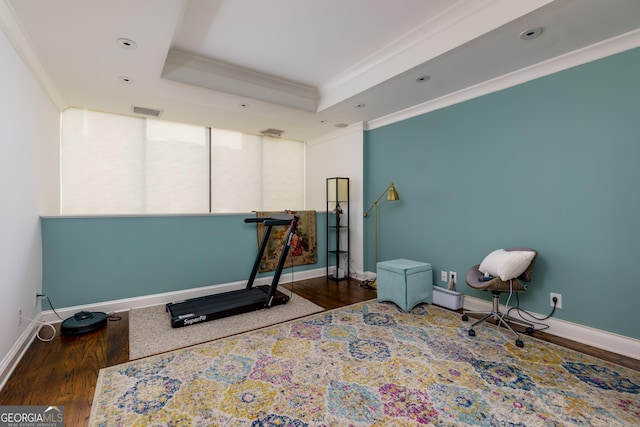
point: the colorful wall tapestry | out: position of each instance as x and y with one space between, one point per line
304 246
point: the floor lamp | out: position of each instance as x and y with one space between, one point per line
392 195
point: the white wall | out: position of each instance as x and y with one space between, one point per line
29 157
339 154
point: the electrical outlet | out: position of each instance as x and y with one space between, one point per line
19 316
443 276
454 276
558 297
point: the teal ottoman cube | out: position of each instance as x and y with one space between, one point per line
405 282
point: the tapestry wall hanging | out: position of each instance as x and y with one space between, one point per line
304 247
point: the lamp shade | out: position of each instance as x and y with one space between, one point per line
392 194
337 189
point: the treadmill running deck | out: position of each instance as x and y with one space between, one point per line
211 307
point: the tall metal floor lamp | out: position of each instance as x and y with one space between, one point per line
392 195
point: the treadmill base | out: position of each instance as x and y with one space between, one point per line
211 307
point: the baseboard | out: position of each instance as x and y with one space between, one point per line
619 344
10 361
604 340
165 297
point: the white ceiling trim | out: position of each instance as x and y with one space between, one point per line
340 133
459 24
12 28
456 51
212 74
594 52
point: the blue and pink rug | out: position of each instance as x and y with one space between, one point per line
369 365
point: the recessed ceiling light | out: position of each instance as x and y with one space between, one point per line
360 105
126 43
341 125
531 33
126 80
423 79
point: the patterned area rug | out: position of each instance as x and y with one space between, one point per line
369 365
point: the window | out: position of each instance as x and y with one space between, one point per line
114 164
249 171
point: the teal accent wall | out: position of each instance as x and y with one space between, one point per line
97 259
551 164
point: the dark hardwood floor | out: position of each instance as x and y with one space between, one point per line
64 371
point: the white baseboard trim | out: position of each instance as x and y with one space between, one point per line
10 361
619 344
166 297
625 346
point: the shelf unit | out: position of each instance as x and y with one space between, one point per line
338 246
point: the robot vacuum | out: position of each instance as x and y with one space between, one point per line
83 322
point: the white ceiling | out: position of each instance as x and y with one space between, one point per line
301 66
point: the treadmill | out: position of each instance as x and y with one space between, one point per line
211 307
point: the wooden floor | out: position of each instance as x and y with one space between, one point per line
63 372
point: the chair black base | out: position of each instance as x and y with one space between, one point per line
501 319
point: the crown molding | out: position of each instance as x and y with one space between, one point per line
578 57
461 22
12 28
340 133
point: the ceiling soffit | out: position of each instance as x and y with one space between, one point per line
211 74
448 27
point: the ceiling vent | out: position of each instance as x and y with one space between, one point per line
276 133
146 111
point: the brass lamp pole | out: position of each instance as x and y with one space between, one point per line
392 195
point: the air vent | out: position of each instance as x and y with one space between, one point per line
276 133
147 111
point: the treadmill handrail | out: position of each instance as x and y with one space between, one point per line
281 217
269 223
277 222
254 220
281 261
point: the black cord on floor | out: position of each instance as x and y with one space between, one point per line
520 311
53 329
50 305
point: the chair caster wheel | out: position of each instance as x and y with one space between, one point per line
519 343
465 317
472 333
529 330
